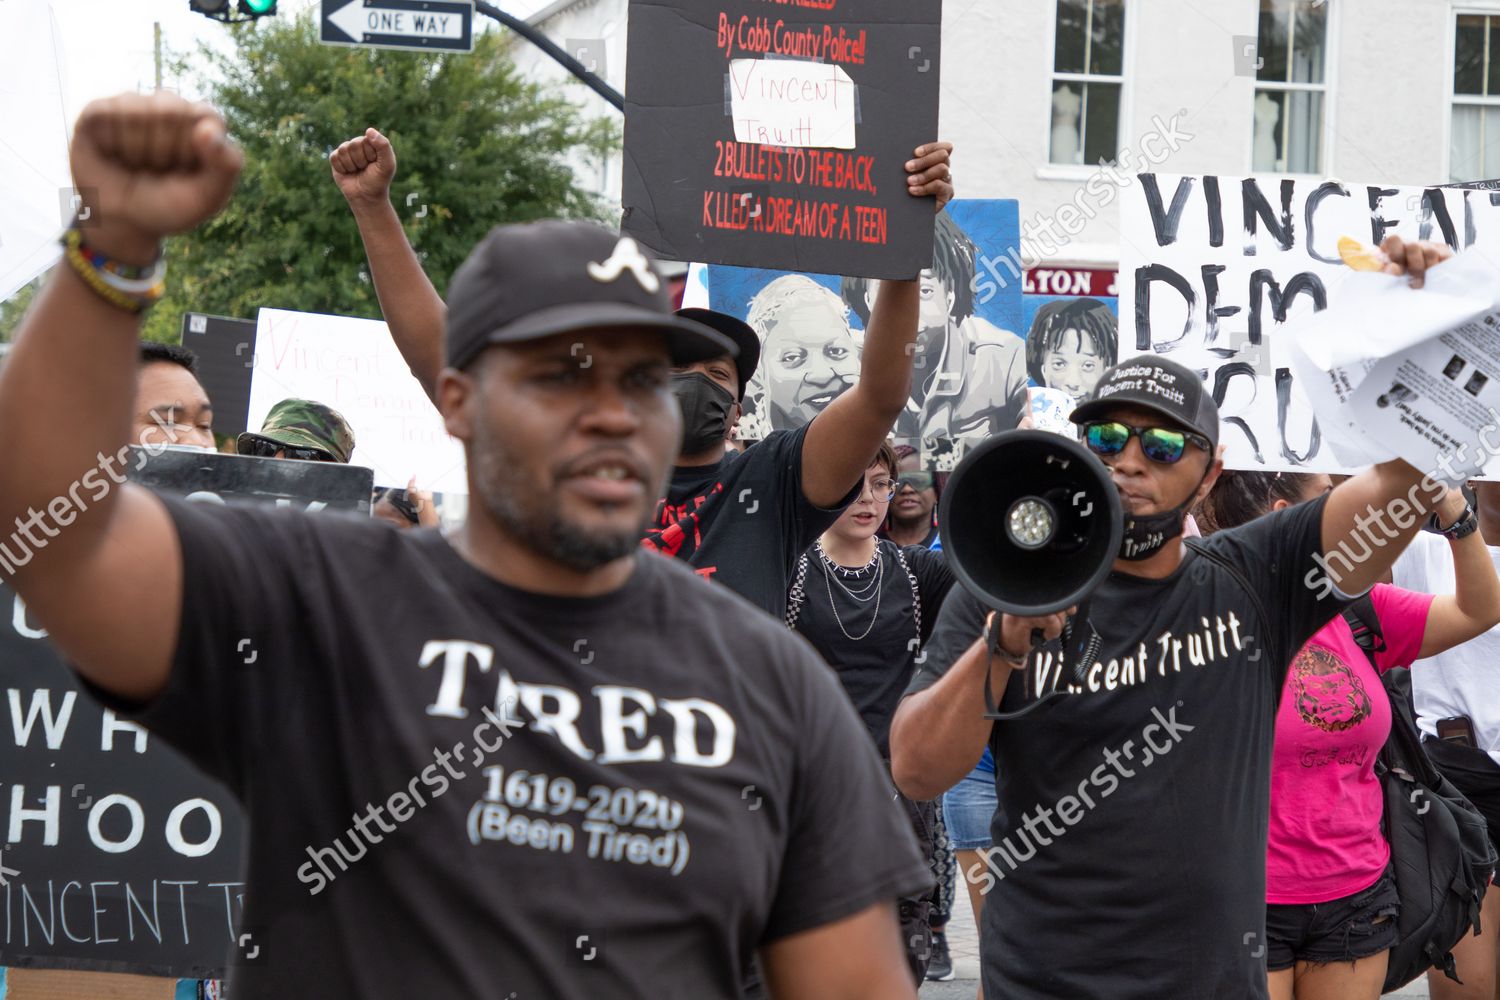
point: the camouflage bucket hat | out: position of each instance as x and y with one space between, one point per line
302 423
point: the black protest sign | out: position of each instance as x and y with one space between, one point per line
119 855
777 135
234 478
226 358
126 858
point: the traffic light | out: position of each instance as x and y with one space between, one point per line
224 10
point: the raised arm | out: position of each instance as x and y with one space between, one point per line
363 168
103 571
843 438
1474 606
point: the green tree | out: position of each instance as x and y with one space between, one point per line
478 146
13 308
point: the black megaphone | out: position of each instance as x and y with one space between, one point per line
1031 522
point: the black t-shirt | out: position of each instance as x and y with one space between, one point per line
688 782
1130 846
874 656
744 521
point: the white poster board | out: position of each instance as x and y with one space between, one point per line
353 366
35 179
1213 269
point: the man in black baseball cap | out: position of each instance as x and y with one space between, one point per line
1180 414
528 282
429 724
741 520
1157 733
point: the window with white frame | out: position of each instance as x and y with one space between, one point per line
1087 75
1291 89
1474 142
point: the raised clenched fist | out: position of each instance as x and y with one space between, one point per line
364 167
147 166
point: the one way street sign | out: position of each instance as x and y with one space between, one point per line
432 25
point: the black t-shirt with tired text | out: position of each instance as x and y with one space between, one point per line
455 788
744 521
864 625
1129 856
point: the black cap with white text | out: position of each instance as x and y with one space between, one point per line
1167 387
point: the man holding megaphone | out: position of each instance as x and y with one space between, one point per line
1137 681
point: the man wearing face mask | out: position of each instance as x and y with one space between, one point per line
1142 788
741 521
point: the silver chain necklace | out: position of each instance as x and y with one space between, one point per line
840 573
828 576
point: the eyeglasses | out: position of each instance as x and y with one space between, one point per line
918 481
259 447
1160 444
881 491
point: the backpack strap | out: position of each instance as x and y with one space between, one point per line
1364 622
798 594
916 591
1235 574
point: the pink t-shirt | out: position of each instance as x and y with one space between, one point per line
1326 804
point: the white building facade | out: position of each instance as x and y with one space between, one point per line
1036 92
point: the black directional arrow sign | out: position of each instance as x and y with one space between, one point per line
433 25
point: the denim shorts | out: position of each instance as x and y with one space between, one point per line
1341 930
969 809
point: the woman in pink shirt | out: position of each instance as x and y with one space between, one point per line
1331 903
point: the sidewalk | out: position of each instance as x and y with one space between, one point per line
963 945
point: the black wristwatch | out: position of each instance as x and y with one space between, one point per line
1466 523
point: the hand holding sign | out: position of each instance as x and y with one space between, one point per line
930 174
1413 259
149 166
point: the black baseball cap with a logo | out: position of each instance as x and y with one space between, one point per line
538 279
1166 387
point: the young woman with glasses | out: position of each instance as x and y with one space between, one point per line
867 604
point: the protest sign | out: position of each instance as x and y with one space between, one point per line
125 857
226 356
37 198
313 486
1214 269
969 371
776 136
1398 373
353 366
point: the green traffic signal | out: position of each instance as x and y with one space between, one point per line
258 8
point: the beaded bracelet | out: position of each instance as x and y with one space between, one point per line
133 289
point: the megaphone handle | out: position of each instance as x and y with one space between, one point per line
1038 640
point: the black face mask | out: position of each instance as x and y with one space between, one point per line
1145 535
705 410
